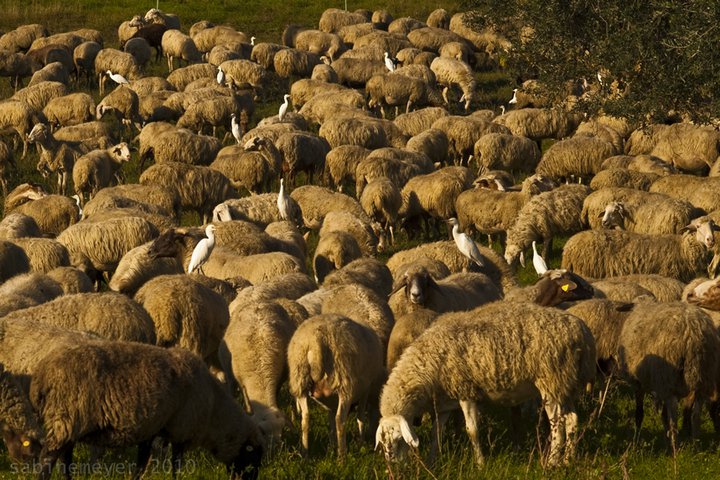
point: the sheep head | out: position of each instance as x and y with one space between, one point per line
614 215
121 152
221 213
703 228
557 286
166 245
39 133
706 295
389 434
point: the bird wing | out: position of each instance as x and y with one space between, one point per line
472 251
199 255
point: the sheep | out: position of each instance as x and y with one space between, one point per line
546 215
290 286
332 355
13 260
593 128
669 350
315 202
199 188
207 38
334 250
182 77
340 165
44 254
506 152
264 53
181 145
217 422
460 291
252 166
397 165
257 340
350 33
366 272
640 163
105 242
117 62
149 199
463 133
18 225
139 48
302 152
19 117
260 209
128 28
509 346
701 192
622 177
554 288
124 103
51 53
414 123
21 430
320 43
55 157
245 71
636 211
225 52
405 25
28 290
52 72
446 252
366 233
88 135
579 156
70 109
197 323
381 200
438 18
215 112
354 72
22 37
664 289
450 72
325 107
333 19
6 160
37 96
380 42
406 329
170 20
395 90
493 212
690 148
616 252
538 123
136 268
152 34
52 213
109 315
16 66
71 279
176 44
98 169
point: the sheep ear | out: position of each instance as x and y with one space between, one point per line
689 228
378 436
568 286
601 214
399 285
432 283
625 307
407 433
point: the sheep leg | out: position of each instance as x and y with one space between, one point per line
571 422
170 63
547 248
714 409
439 422
178 449
669 416
639 413
557 430
302 404
408 107
47 463
470 411
142 459
340 418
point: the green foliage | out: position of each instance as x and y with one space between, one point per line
656 56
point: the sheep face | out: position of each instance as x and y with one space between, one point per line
38 133
703 228
614 215
21 447
122 152
246 465
395 435
557 286
221 213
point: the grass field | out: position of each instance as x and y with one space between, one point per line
605 450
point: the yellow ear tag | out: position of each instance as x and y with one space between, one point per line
565 287
26 443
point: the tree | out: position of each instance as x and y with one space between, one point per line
653 56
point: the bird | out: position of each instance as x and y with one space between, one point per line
502 109
202 250
117 78
220 76
283 202
283 107
235 128
465 244
252 41
513 100
79 204
538 262
389 62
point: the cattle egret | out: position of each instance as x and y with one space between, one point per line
465 244
202 250
283 107
513 100
220 76
79 204
252 41
502 109
283 202
538 262
235 128
117 78
389 62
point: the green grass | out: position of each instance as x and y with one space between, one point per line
605 450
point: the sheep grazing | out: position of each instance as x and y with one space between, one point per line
136 267
315 202
21 430
332 355
176 44
334 250
395 91
367 272
260 209
18 225
622 177
579 156
302 152
508 343
44 254
640 163
251 166
381 200
52 213
546 215
669 350
506 152
607 253
174 383
460 291
71 109
451 72
701 192
117 62
19 117
539 123
98 169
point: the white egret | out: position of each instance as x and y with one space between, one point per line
117 78
389 62
283 107
513 100
538 262
220 76
283 202
465 244
202 250
235 128
79 204
502 109
252 41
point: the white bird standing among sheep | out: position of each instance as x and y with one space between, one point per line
220 76
284 107
117 78
202 250
389 62
465 244
252 41
538 262
513 100
79 204
283 202
235 128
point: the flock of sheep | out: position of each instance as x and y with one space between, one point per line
189 325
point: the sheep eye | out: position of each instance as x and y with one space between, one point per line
249 448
